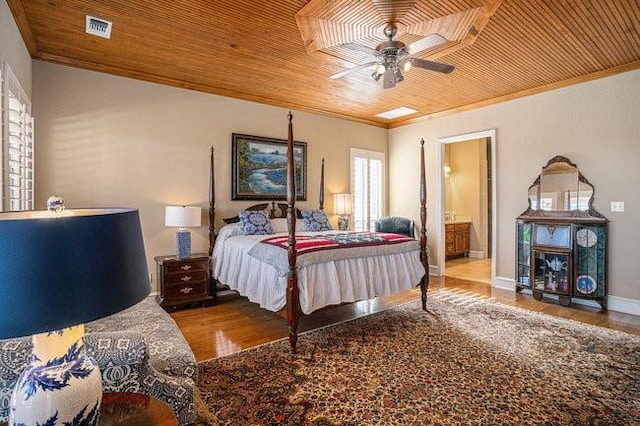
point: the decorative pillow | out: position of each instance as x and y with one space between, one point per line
315 220
255 222
281 226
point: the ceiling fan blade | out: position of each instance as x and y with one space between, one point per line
361 48
350 70
428 42
388 79
433 66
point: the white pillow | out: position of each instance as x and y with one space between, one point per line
280 225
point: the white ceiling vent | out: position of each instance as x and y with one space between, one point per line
99 27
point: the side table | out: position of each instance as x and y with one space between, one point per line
183 281
134 409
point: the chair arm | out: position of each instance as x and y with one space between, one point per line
123 358
15 354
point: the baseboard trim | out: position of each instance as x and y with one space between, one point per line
503 283
434 270
623 304
476 254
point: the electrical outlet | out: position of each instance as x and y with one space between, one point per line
617 206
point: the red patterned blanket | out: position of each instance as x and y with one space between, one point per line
317 242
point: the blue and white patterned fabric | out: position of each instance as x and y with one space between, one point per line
139 350
315 220
255 222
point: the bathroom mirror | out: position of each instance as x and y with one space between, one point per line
560 187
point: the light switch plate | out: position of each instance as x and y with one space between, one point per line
617 206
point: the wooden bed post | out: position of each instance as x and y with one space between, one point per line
424 282
321 197
293 298
213 288
212 208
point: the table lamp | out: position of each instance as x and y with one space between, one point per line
59 270
183 217
342 206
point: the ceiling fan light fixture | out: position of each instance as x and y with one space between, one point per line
381 69
398 75
406 66
376 76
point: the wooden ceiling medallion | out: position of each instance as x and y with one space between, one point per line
326 26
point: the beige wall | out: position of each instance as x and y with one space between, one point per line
111 141
12 49
595 124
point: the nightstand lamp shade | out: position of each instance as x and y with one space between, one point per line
60 270
183 217
342 206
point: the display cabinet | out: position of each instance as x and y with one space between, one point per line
561 239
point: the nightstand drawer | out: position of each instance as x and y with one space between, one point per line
186 290
185 266
185 277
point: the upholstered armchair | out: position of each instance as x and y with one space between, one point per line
395 225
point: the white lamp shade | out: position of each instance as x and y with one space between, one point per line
182 216
342 204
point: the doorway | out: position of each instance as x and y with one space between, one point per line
467 208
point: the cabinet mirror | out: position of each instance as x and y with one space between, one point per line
560 187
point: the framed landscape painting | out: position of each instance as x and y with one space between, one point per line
259 168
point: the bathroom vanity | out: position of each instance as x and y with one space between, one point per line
457 237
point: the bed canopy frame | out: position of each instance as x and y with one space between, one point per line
292 311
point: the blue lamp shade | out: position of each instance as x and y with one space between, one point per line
183 217
59 270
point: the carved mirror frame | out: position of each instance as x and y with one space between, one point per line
534 191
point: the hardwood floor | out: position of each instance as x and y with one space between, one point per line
235 323
466 268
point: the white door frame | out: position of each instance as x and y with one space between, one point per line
491 134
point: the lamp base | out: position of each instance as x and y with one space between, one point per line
61 385
343 223
183 243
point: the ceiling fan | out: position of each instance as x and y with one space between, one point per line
393 57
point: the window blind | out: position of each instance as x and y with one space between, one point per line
18 156
367 187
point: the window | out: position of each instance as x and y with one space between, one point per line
367 187
17 154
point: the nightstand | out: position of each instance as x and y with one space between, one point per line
183 281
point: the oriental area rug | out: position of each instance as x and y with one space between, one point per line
465 362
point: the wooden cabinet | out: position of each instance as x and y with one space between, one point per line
183 281
457 239
561 240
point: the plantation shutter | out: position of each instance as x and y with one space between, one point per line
17 146
367 187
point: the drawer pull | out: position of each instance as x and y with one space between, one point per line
186 290
187 278
185 267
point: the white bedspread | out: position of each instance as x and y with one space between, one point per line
322 284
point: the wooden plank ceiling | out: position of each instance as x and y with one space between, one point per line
283 52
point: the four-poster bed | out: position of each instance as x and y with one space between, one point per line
294 272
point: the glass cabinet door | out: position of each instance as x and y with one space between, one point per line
523 250
552 272
590 261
